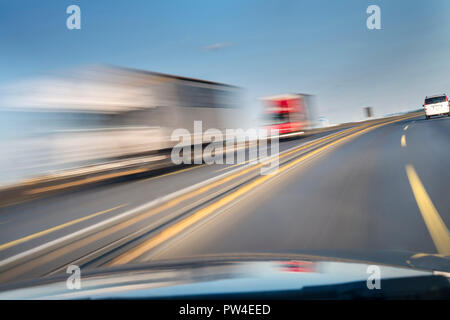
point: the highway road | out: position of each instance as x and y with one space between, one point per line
366 191
360 199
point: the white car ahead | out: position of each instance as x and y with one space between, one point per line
436 105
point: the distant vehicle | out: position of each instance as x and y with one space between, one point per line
436 105
290 114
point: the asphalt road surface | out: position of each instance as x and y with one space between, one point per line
378 191
356 198
100 202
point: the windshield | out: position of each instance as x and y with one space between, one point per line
435 100
276 118
159 144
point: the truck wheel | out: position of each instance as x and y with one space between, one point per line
427 117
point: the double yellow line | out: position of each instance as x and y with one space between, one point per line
199 215
203 213
168 205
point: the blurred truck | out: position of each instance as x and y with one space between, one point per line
290 114
100 114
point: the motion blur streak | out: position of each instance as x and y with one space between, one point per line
59 227
189 195
435 225
198 216
85 181
97 115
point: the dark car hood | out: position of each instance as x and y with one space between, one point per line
221 275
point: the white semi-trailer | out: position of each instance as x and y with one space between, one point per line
99 114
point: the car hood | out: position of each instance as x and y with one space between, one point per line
216 276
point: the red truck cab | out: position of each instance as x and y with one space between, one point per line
286 113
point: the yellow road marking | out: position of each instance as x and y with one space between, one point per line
86 180
307 144
202 213
405 128
403 141
421 255
94 237
436 227
113 175
182 198
59 227
191 194
119 174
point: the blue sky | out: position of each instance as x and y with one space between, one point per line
269 47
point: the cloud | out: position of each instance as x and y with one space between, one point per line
218 46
